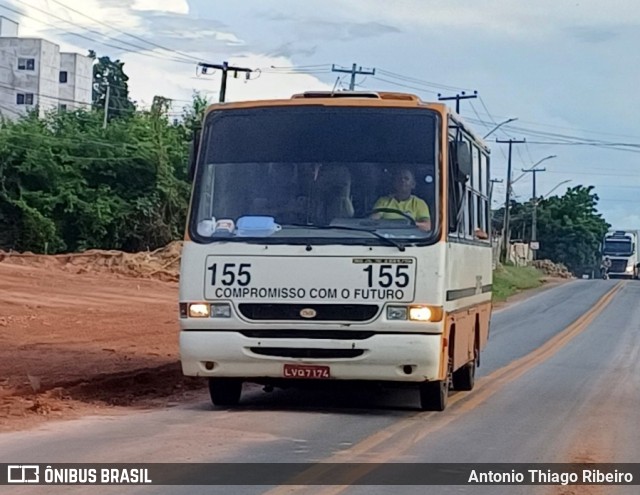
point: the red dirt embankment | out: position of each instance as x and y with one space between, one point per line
88 331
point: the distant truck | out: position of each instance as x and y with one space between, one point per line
621 247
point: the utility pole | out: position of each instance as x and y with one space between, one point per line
534 214
461 96
507 204
490 220
353 71
225 68
106 106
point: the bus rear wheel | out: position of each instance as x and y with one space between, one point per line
225 391
465 377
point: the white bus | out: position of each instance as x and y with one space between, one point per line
336 236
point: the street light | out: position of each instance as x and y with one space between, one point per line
533 166
498 126
556 187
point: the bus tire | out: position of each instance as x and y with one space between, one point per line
225 391
464 378
434 395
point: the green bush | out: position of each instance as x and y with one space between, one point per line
508 280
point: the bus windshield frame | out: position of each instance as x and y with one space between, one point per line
331 169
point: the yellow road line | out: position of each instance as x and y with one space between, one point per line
406 433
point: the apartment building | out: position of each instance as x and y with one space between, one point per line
35 74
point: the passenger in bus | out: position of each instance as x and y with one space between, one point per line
402 199
324 195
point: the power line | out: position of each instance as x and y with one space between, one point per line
91 30
420 81
93 40
297 67
487 125
552 126
586 172
567 139
186 56
403 85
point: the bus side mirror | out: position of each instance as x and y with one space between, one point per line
193 154
463 160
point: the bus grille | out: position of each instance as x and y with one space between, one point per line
308 334
323 312
288 352
618 266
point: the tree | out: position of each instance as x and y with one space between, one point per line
108 73
67 184
570 229
194 113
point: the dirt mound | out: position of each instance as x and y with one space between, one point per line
149 387
552 269
162 264
131 387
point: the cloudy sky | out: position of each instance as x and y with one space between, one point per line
568 70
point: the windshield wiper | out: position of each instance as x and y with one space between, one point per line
353 229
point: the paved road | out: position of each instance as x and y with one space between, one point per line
549 390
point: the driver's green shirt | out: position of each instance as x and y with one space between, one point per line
412 206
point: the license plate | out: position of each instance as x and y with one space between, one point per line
306 371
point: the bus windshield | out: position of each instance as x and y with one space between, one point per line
621 247
332 174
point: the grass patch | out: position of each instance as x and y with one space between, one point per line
508 280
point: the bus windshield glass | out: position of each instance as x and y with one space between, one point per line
288 174
617 247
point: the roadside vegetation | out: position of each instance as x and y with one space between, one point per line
569 228
509 280
73 180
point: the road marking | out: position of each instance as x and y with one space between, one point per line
408 432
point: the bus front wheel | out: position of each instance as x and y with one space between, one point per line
225 391
434 395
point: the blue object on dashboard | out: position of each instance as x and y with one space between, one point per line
256 226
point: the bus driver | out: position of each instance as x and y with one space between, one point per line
403 200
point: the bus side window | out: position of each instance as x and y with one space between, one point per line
456 193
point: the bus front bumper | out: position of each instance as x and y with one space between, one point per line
381 357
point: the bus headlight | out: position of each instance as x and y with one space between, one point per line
420 313
414 313
199 310
425 313
396 312
222 310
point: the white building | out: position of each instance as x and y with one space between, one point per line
33 72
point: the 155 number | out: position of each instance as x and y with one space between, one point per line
230 273
385 276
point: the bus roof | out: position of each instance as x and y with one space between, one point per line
353 98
